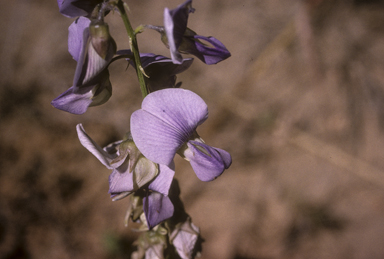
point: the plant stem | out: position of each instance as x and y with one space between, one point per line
134 48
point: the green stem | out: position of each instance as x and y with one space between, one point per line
134 48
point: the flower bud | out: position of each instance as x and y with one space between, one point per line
151 244
184 238
101 41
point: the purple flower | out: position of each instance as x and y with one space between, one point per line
181 39
74 8
91 46
131 173
77 100
166 124
161 71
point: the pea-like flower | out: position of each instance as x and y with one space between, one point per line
93 48
133 173
180 39
166 124
74 8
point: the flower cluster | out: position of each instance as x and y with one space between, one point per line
142 163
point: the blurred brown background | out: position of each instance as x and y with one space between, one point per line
299 105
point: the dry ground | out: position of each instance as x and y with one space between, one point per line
299 105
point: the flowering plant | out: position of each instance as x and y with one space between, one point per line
142 163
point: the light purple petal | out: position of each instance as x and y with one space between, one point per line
82 61
155 139
184 239
175 24
163 181
126 179
207 162
169 28
104 157
73 103
154 251
75 36
120 182
76 100
181 109
88 70
167 119
209 55
74 8
157 208
66 8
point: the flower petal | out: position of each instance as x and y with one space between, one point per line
181 109
207 162
184 239
169 29
209 55
167 120
157 208
163 181
124 181
82 61
155 139
175 24
73 102
92 147
75 36
76 100
154 251
74 8
120 182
